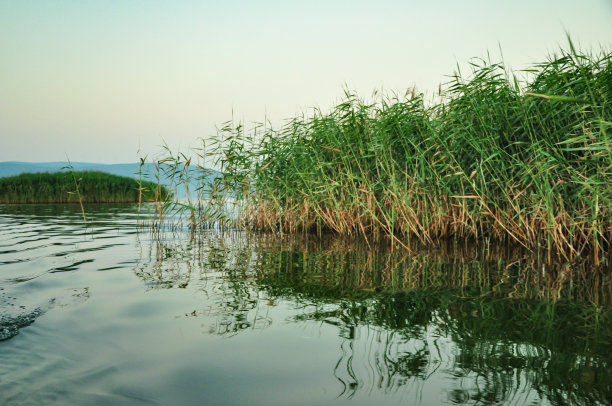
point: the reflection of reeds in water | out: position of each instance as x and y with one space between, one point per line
219 266
510 320
338 264
501 321
383 360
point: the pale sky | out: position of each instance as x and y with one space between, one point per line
99 80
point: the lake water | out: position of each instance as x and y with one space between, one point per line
112 314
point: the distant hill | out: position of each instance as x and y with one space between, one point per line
11 168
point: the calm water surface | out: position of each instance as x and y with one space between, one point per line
111 315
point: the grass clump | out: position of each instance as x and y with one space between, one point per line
496 158
77 187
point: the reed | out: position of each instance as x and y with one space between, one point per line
498 157
76 187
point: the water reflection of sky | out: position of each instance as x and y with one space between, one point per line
233 318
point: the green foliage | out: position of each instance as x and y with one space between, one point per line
93 187
496 158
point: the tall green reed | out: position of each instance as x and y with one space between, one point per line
77 191
195 199
497 158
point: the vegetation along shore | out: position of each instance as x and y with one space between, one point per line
77 187
519 157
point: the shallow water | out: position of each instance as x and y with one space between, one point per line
110 314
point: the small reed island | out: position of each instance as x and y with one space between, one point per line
77 187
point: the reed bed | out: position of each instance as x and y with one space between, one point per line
77 187
523 158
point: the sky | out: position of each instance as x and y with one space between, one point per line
109 81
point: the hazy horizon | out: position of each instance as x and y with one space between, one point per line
98 82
